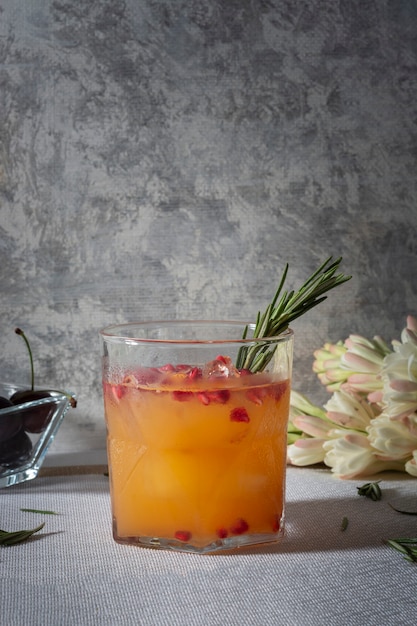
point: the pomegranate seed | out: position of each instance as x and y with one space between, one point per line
182 396
239 527
118 391
222 359
168 367
183 535
222 533
194 373
276 524
220 396
279 390
256 395
203 397
245 372
239 414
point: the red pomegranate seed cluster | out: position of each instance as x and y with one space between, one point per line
239 527
220 368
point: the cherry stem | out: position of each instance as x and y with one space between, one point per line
20 332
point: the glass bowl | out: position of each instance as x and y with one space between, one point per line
26 432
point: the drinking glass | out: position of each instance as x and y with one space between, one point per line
196 415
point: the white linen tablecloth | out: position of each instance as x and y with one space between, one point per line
73 573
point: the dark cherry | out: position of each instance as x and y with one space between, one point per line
16 450
10 424
35 419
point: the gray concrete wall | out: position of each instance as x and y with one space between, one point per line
165 159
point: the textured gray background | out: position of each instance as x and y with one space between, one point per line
164 159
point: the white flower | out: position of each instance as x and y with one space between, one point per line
350 410
393 438
327 365
364 359
370 422
307 431
308 451
399 375
355 364
350 454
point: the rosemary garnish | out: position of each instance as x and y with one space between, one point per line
345 523
284 308
11 538
370 490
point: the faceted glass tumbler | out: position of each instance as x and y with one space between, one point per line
22 451
196 415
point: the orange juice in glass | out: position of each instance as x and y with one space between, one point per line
196 442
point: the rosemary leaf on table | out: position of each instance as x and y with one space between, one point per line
370 490
18 536
407 546
42 511
403 512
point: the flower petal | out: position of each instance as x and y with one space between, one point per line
411 465
306 452
360 364
313 426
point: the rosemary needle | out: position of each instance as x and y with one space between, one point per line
401 511
42 511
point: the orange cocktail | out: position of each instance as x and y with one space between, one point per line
197 453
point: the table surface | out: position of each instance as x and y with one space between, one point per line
73 573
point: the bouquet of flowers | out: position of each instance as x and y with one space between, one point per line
369 423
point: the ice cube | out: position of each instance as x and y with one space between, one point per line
220 367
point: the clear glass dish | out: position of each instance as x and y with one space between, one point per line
22 454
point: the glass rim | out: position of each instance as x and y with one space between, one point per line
112 332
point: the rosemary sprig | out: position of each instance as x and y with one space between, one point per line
286 306
11 538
